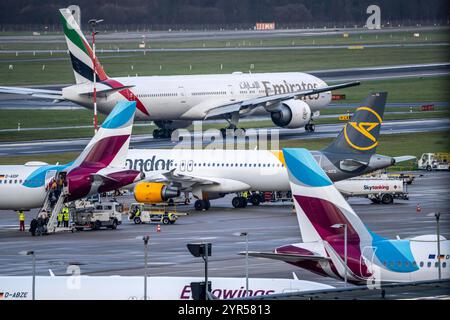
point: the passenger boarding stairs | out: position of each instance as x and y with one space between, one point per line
53 217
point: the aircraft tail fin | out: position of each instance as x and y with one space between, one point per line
80 51
319 205
359 138
109 146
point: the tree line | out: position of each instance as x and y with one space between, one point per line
224 12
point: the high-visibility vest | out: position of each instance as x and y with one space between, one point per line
60 217
66 216
65 210
21 216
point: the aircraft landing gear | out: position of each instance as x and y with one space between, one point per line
310 127
162 133
237 131
239 202
202 205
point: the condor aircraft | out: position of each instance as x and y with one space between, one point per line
324 217
291 98
99 168
211 174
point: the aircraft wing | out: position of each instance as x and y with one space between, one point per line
36 93
187 181
404 158
184 180
286 257
268 101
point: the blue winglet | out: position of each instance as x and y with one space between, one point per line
302 165
122 113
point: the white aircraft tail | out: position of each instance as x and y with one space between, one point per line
80 51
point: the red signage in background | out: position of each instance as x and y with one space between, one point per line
265 26
338 97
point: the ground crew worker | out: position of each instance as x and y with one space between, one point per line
21 221
60 218
66 217
138 212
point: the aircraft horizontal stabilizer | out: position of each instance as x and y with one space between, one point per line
36 93
293 258
404 158
102 90
102 179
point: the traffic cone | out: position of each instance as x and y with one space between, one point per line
158 228
418 208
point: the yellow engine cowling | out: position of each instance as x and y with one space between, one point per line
153 192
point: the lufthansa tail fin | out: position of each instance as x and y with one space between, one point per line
80 51
320 207
358 140
109 146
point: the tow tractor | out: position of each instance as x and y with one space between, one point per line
107 215
150 213
434 161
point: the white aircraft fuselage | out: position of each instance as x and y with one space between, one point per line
191 97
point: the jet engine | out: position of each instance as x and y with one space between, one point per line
152 192
291 114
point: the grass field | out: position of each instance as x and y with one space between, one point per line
392 145
56 69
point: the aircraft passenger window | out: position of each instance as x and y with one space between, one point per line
227 164
15 181
384 263
436 264
414 264
240 165
10 181
421 264
406 264
444 264
391 263
429 264
399 263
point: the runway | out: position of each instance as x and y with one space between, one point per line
146 141
120 252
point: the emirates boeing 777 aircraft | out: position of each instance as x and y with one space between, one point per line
291 98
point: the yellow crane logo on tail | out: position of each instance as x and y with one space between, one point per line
364 129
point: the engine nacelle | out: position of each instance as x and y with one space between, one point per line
152 192
291 114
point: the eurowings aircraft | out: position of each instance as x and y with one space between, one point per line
337 244
99 168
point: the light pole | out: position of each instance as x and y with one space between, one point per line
245 234
339 226
437 215
145 238
93 23
33 283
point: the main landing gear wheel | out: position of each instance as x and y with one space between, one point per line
237 132
162 133
310 127
202 205
239 202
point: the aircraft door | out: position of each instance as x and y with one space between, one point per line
190 164
182 93
183 165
